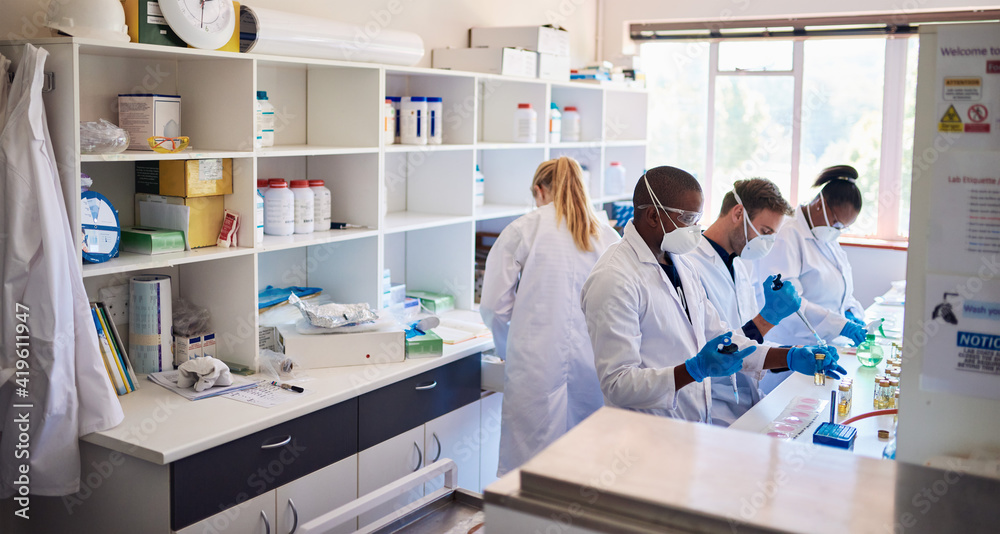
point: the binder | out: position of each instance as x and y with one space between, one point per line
116 379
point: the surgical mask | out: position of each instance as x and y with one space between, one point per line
826 234
680 240
759 246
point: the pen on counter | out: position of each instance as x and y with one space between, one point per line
833 404
296 389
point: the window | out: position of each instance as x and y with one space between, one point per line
785 109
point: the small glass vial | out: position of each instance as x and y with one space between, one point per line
893 387
895 402
820 378
844 395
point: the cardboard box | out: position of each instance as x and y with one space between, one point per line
506 61
147 240
434 302
185 178
552 67
146 115
545 39
191 347
339 350
147 25
205 219
428 345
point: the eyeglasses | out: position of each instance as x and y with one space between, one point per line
168 145
686 217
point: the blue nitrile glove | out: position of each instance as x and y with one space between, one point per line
855 332
779 302
803 360
853 318
711 361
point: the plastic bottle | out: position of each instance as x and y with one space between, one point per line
869 352
435 122
389 130
258 219
279 209
614 181
321 205
266 120
258 124
525 124
304 205
570 124
889 453
555 124
413 120
479 188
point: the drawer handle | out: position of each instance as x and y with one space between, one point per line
295 517
423 387
420 456
281 443
267 524
436 440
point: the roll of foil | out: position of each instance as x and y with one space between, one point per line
333 315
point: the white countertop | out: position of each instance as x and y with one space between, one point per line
161 427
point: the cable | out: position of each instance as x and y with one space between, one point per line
869 414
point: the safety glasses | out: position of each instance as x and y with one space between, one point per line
168 145
686 217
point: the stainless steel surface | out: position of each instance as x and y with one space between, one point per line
441 516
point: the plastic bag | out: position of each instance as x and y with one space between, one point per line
334 315
189 319
102 137
278 366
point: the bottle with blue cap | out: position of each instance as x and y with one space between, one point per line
266 119
435 109
413 120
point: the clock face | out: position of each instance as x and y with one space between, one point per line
201 23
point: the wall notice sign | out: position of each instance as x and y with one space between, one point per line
965 206
962 331
968 88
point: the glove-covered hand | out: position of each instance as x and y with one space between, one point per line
779 303
855 332
711 361
803 360
853 318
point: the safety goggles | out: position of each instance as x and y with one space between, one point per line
168 145
688 218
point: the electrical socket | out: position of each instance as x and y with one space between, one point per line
115 299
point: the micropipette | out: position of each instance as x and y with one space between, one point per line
778 284
729 349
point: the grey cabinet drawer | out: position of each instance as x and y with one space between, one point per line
396 408
211 481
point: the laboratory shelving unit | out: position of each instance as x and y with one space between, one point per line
415 203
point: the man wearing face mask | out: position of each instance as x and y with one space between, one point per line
658 341
751 214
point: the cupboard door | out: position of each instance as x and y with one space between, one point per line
316 494
490 435
387 462
255 516
455 435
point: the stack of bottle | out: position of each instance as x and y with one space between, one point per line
301 209
417 120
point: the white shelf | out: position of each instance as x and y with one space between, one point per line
499 211
311 150
425 148
404 221
281 242
128 262
149 155
576 144
625 143
508 146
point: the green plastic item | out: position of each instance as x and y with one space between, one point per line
149 240
428 345
437 303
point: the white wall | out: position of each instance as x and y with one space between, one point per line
874 269
441 23
618 13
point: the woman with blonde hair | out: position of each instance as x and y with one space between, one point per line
531 302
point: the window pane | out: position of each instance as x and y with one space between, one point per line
842 117
753 133
909 110
677 79
755 55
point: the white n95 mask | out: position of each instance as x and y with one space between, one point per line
679 240
759 246
826 234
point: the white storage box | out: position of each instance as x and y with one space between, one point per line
492 370
339 350
552 67
544 39
148 115
506 61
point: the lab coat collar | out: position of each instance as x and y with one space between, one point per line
799 220
639 245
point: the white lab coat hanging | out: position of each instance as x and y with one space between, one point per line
68 389
534 274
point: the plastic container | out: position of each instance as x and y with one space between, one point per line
279 209
479 188
525 124
614 180
258 124
555 124
388 122
396 102
570 124
258 219
413 120
304 206
869 352
435 116
266 119
321 205
262 185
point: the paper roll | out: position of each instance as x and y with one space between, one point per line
267 31
150 338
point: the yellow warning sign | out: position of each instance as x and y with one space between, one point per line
951 121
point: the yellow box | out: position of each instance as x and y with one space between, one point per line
185 178
205 217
